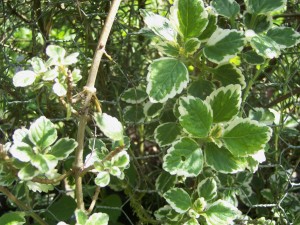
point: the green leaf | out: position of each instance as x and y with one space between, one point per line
190 17
59 89
121 160
195 116
42 133
169 214
191 221
258 23
13 218
152 110
164 182
169 48
221 160
134 95
50 75
70 59
111 205
22 151
76 75
134 114
178 199
161 26
166 133
109 125
166 78
184 158
81 217
201 88
265 46
245 137
207 189
221 213
28 172
223 45
191 46
98 219
63 148
24 78
20 135
62 209
102 179
38 187
262 115
44 163
264 6
229 74
38 65
285 37
225 102
210 28
253 58
227 8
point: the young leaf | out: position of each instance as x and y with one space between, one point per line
166 133
28 172
166 78
81 217
190 17
50 75
70 59
161 26
42 133
227 8
134 114
102 179
221 213
257 23
24 78
178 199
221 160
63 148
134 95
195 116
55 52
109 125
251 57
285 37
121 160
200 88
191 46
245 137
22 151
207 189
191 221
152 110
184 158
168 48
225 102
38 65
44 163
229 74
265 46
224 45
97 219
264 6
210 28
59 89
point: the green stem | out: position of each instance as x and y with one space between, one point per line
22 206
90 91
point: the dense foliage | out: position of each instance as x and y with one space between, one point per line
193 117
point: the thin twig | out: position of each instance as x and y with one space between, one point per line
94 200
90 91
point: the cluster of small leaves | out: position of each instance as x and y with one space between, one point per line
53 73
94 219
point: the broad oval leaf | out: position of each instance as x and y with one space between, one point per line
196 116
229 74
38 65
164 182
59 89
152 110
63 148
80 216
225 103
102 179
227 8
24 78
134 95
42 133
285 37
264 6
221 160
28 172
55 52
178 199
13 218
191 46
160 25
258 23
223 45
134 114
109 125
244 137
44 163
190 17
251 57
184 158
121 160
265 46
210 28
166 78
166 133
207 188
98 219
221 213
200 88
22 151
